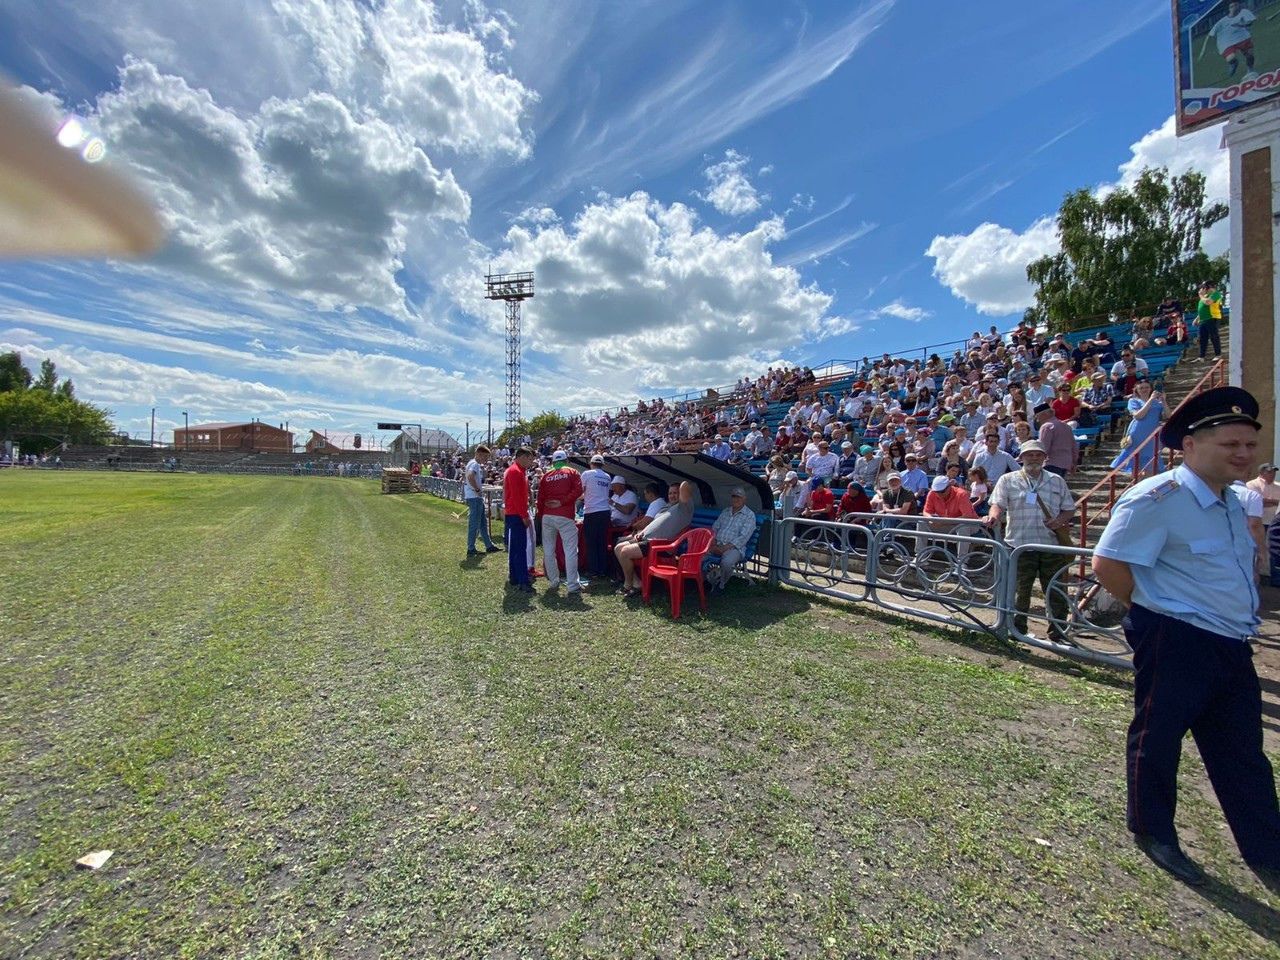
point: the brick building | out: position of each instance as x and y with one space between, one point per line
251 437
327 443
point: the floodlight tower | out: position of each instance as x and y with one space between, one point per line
511 288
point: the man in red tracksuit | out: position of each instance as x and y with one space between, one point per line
515 509
559 490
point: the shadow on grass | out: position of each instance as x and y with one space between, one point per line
517 601
748 605
564 600
1253 913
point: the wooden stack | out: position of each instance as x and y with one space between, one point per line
396 480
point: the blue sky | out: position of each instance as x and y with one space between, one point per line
701 188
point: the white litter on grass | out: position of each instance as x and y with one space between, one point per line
1042 841
93 861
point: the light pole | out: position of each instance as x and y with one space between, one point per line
186 432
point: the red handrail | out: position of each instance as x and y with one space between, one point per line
1135 464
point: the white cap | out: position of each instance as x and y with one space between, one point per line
792 475
558 456
939 484
621 480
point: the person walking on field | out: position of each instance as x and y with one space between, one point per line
558 494
473 495
515 508
1179 553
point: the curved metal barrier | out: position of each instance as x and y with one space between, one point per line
1086 625
960 575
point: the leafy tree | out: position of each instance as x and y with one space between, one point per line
48 379
1126 248
44 413
547 422
13 375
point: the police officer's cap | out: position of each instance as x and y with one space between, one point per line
1213 408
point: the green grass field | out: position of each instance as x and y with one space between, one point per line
1211 70
307 728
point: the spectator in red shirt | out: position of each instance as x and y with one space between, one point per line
1066 407
947 501
855 500
558 494
515 509
822 502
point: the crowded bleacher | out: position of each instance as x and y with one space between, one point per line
878 434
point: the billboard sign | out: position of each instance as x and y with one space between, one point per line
1227 57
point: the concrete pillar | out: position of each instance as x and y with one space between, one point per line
1253 138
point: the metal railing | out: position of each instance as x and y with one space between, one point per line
1143 460
962 576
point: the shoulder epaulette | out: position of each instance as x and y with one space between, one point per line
1162 490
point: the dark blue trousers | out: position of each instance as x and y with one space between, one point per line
1209 332
1188 679
517 551
595 534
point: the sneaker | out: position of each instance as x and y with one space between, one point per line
473 553
492 549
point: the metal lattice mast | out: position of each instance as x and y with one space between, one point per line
513 363
511 288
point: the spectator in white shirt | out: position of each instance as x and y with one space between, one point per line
623 503
1127 356
823 463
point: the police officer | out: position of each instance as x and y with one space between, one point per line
1178 551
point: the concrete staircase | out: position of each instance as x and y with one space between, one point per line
1096 463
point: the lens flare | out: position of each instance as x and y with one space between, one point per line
94 150
71 133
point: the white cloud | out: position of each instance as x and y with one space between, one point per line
987 267
731 192
340 371
301 198
399 59
816 251
117 381
444 84
901 311
638 296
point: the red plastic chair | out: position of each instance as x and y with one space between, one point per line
663 563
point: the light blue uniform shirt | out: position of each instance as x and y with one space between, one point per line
1190 551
